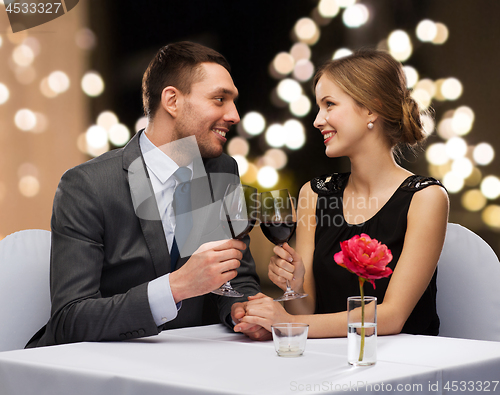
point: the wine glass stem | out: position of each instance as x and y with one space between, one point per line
288 288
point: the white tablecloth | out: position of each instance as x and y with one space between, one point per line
213 360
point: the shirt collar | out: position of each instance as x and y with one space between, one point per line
159 163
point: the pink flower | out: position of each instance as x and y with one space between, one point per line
365 257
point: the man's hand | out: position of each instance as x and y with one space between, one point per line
253 331
264 311
208 268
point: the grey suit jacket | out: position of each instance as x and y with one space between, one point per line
105 251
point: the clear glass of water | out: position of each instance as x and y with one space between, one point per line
362 330
290 339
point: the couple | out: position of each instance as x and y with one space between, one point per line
113 271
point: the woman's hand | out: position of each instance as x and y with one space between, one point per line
287 265
264 311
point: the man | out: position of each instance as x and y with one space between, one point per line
113 275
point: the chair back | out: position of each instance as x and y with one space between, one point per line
468 277
24 286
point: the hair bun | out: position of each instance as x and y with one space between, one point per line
412 131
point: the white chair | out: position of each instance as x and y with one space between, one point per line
468 303
24 286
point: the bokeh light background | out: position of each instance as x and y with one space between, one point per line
70 90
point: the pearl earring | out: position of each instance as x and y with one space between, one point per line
370 125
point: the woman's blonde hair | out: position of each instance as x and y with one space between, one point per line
376 81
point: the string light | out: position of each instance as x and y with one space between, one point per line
119 135
4 93
295 135
462 167
452 182
254 123
436 154
25 119
355 15
92 84
141 123
456 147
328 8
490 187
303 70
29 186
441 34
23 55
250 175
426 30
400 45
473 200
307 31
107 119
275 158
428 124
242 164
300 51
341 52
85 39
491 216
284 63
41 123
267 177
289 90
301 107
451 89
97 137
46 90
58 82
345 3
483 154
238 146
275 135
411 76
462 120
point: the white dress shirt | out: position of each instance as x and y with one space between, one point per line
161 169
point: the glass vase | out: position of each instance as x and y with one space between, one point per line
362 330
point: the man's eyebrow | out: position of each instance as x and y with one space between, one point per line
227 92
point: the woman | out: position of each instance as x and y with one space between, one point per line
365 113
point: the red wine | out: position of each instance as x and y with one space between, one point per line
241 227
278 232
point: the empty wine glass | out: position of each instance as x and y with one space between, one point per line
278 221
238 215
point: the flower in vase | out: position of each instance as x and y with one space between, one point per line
365 257
368 259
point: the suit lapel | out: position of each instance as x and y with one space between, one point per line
145 206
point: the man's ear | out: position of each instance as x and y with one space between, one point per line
170 100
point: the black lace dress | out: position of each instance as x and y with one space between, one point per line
335 284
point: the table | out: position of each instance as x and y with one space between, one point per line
213 360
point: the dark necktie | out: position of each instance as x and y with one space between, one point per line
182 209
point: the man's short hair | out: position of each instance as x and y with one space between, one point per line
177 65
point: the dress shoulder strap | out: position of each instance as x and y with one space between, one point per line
415 183
329 184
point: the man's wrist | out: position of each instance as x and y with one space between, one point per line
180 290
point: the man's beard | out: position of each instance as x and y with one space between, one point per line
185 123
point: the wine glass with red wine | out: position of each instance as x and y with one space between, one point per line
238 215
278 221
